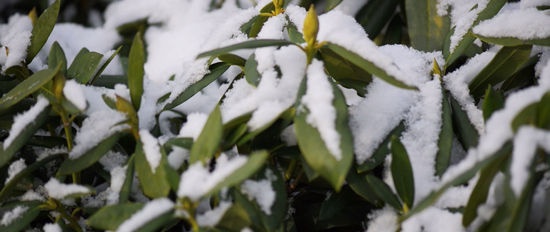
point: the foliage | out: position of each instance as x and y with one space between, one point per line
85 151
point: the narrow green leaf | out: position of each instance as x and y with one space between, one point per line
84 66
19 224
126 188
235 218
42 29
427 29
527 116
493 101
331 4
89 158
358 184
384 192
382 151
155 184
216 70
27 87
464 129
402 173
445 142
136 61
209 140
505 63
511 41
57 57
104 66
256 43
543 112
374 15
345 72
111 216
293 34
367 65
251 70
232 59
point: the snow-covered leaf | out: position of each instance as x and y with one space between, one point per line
446 135
110 217
154 184
209 140
380 154
42 29
17 216
345 72
154 215
136 60
257 43
58 190
84 66
27 87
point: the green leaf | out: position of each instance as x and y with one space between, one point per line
464 129
209 140
155 184
104 66
427 30
358 184
136 61
126 188
345 72
493 101
527 116
111 216
235 218
511 41
57 57
374 15
367 65
21 222
384 192
22 138
251 71
216 70
293 34
382 151
256 43
27 87
331 4
84 66
89 158
394 31
505 63
313 147
543 114
445 142
402 173
232 59
42 29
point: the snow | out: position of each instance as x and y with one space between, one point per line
31 195
52 227
58 190
177 157
193 127
321 112
383 220
150 211
526 142
533 3
424 221
212 217
112 160
14 40
261 191
151 149
74 93
22 121
15 168
197 180
118 176
525 24
95 128
13 215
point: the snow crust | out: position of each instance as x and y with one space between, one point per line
261 191
22 121
15 168
74 93
12 215
52 227
14 40
58 190
525 24
151 149
150 211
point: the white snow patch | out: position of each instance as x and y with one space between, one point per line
22 121
212 217
177 157
193 126
74 93
261 191
13 215
524 24
15 168
112 160
151 149
14 40
52 227
318 101
526 141
118 176
424 221
149 212
383 220
31 195
58 190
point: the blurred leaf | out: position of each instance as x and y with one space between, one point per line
367 65
313 147
42 29
84 66
493 101
345 72
374 15
57 57
402 173
293 34
543 112
136 61
251 71
527 116
379 155
126 189
394 31
235 218
506 62
209 139
27 87
24 220
384 192
154 184
111 216
427 30
216 70
232 59
511 41
445 141
89 157
462 126
256 43
331 4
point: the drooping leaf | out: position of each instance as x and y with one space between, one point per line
136 61
209 139
256 43
232 59
427 29
511 41
57 57
445 141
374 15
402 173
84 66
110 217
42 29
464 129
383 191
90 157
358 184
293 34
154 184
251 70
345 72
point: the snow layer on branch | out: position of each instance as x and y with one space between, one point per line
15 168
21 121
212 217
73 92
150 211
197 180
13 215
97 127
58 190
151 149
528 23
463 16
14 40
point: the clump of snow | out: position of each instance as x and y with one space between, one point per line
318 101
14 40
197 180
151 149
45 153
525 24
31 195
118 176
52 227
383 220
15 168
212 217
289 137
261 191
98 126
21 121
424 221
74 93
149 212
193 127
58 190
177 157
112 160
12 215
526 141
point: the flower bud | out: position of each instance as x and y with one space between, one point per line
311 26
